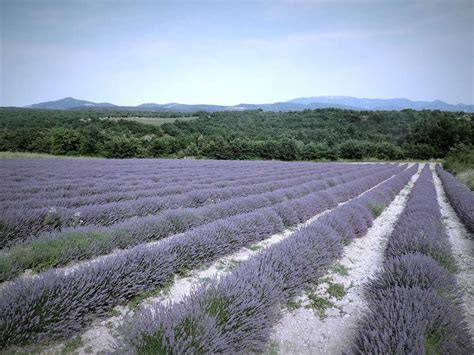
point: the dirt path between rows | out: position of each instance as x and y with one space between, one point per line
328 327
463 250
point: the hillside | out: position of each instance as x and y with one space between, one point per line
70 103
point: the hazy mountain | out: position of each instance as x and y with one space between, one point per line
69 103
299 104
383 104
291 106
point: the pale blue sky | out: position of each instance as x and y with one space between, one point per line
228 52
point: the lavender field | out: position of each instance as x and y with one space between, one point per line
201 256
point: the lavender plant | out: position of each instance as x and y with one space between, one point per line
85 242
414 301
18 224
460 197
58 303
236 314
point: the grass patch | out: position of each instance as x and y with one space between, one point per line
153 344
228 265
318 304
433 342
467 178
376 208
323 280
254 247
293 305
43 255
336 290
217 307
114 313
273 349
71 345
340 269
136 300
447 261
460 162
26 155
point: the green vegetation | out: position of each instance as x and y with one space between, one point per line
460 161
340 269
217 306
228 265
25 155
154 121
273 349
433 343
153 344
254 247
336 290
376 209
447 261
114 313
41 255
318 303
293 305
71 345
136 300
325 134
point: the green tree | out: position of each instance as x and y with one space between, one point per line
353 149
122 147
64 141
163 146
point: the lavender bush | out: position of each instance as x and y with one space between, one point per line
18 224
412 320
86 242
237 313
57 304
460 197
63 178
103 191
428 237
414 301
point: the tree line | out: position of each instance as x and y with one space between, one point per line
323 134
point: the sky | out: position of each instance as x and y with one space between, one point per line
229 52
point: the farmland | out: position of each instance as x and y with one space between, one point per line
210 256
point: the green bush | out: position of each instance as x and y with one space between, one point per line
460 162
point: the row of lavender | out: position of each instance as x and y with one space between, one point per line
38 176
18 224
414 300
94 185
123 191
58 303
60 248
460 197
160 190
236 314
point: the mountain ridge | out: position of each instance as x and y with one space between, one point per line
297 104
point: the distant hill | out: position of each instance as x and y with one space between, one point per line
298 104
70 103
383 104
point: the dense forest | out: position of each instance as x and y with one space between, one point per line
324 134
